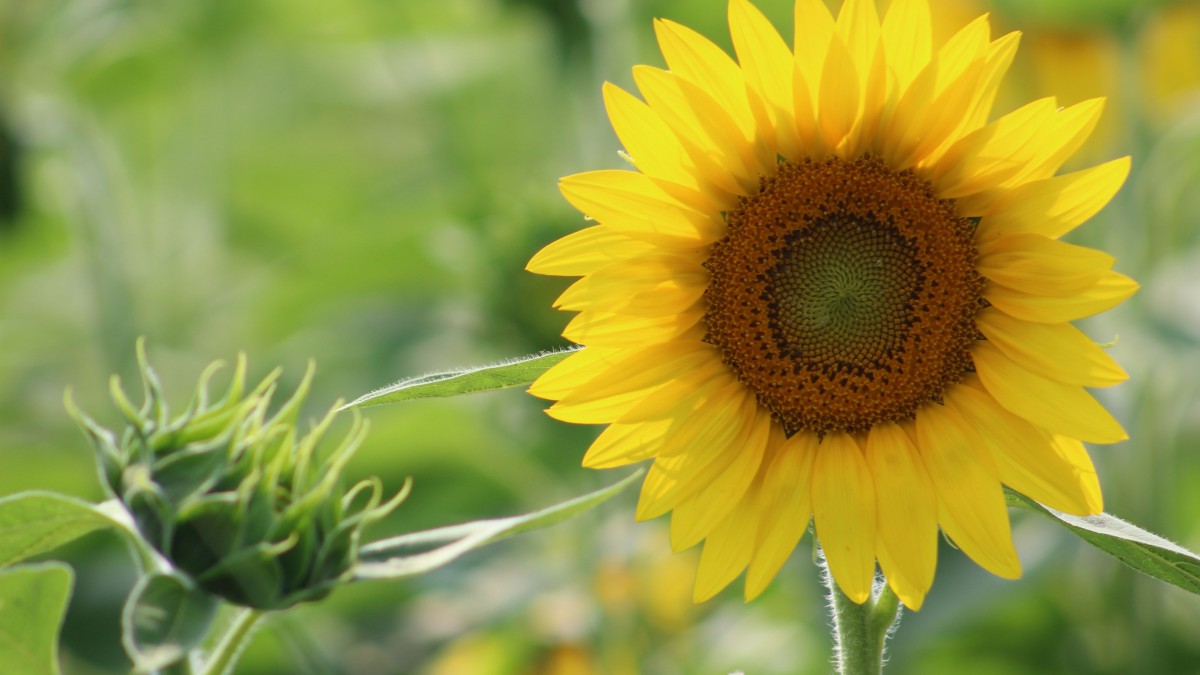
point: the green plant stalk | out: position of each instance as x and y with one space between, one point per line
227 651
860 631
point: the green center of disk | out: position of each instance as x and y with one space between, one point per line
843 290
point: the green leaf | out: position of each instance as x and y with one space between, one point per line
165 616
33 600
1143 551
514 373
36 522
382 559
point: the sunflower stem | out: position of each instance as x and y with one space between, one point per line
860 631
230 647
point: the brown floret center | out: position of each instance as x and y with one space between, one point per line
844 294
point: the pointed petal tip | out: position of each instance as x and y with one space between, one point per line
912 598
856 592
1010 571
703 592
754 587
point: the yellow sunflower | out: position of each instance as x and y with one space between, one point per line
832 290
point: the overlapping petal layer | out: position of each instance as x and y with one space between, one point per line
704 136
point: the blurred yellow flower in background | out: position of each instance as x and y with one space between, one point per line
1169 58
833 290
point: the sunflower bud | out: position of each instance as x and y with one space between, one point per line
235 496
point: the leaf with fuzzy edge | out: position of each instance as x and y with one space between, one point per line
504 375
1144 551
33 601
383 559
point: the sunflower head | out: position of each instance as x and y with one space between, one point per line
833 290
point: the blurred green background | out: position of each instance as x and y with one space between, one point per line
362 182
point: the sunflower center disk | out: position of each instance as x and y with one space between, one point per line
844 294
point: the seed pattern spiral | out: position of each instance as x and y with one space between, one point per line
844 294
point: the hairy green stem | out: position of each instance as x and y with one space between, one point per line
860 631
227 651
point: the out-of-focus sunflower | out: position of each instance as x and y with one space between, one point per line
833 290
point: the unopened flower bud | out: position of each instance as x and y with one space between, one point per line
237 497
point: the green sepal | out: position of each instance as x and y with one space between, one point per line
251 577
191 471
111 461
207 530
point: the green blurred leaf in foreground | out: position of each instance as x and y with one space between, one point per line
380 560
33 599
1137 548
36 522
503 375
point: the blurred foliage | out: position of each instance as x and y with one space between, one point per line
362 182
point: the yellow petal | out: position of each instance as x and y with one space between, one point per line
1072 450
843 500
786 509
767 64
622 444
1054 406
712 143
864 137
692 198
728 548
716 122
687 392
858 27
905 513
1031 263
1054 206
630 203
654 148
605 329
814 27
1110 291
838 101
573 371
935 106
1025 457
1029 144
906 39
1065 133
1058 351
585 251
608 394
996 64
703 64
807 134
984 158
971 507
695 517
654 284
696 454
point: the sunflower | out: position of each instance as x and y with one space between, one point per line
833 291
